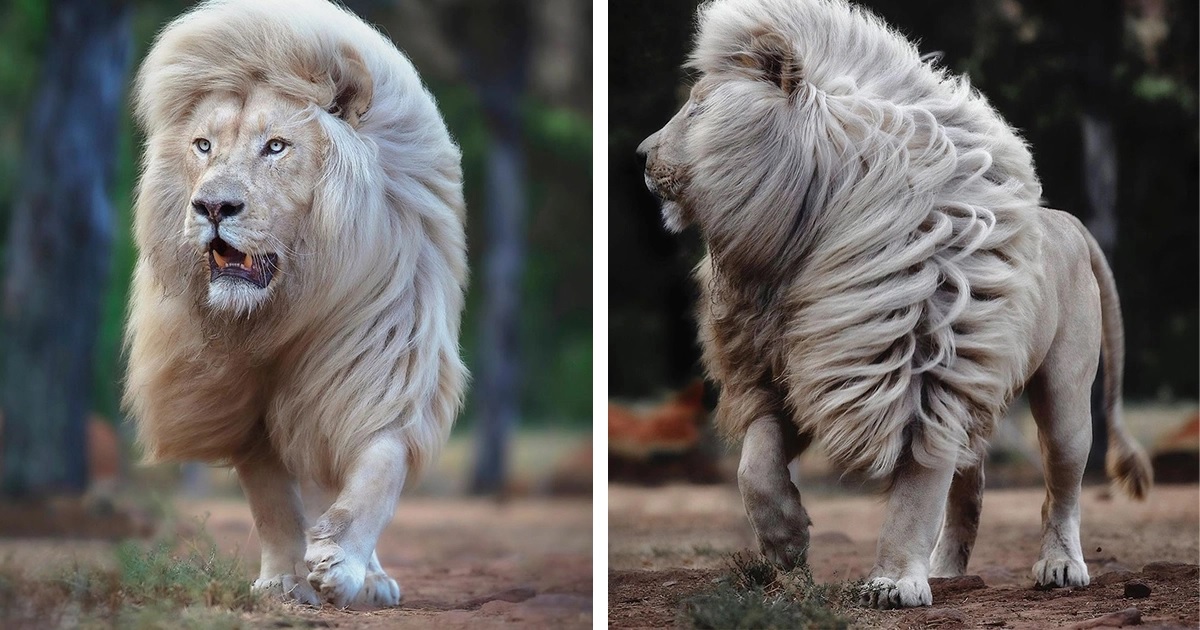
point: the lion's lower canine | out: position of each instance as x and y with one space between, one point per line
881 278
299 282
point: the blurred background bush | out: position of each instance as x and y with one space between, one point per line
513 81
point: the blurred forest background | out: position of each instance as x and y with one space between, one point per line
513 81
1105 93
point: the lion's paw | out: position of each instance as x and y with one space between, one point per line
906 592
786 548
287 588
336 576
378 591
1061 571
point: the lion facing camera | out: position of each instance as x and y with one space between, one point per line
882 279
299 282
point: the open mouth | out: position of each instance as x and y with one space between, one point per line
225 261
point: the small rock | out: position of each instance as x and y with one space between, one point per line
1112 577
945 587
670 583
1121 618
1136 590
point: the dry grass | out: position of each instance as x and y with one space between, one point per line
755 595
164 584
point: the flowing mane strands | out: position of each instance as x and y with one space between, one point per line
887 239
364 334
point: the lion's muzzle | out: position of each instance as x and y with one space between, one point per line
226 261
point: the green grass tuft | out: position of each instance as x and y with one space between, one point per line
756 595
167 584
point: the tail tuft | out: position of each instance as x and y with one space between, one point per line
1128 467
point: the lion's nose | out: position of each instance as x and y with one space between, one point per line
643 149
215 211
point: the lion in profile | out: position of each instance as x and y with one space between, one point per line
881 278
299 281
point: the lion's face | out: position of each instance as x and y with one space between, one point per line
251 169
668 164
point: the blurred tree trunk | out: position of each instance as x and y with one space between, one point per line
58 249
1095 36
496 60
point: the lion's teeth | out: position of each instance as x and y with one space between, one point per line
221 262
248 262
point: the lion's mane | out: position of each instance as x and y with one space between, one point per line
364 337
871 272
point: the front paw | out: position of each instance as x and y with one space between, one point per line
906 592
1060 571
378 591
286 588
784 544
335 576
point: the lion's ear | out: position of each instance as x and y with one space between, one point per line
353 87
772 57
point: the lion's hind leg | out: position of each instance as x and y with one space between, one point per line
963 507
1061 410
772 502
341 548
900 578
279 519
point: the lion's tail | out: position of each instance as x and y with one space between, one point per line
1126 463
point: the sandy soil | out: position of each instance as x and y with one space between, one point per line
668 543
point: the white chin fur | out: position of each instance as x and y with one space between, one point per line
672 216
235 296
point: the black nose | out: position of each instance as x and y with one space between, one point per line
214 211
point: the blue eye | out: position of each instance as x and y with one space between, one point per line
202 145
274 147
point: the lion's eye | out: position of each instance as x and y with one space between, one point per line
202 145
274 147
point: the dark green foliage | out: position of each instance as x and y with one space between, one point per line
755 595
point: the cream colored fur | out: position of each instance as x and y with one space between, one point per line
344 370
881 278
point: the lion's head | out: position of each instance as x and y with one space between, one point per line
731 154
251 166
241 149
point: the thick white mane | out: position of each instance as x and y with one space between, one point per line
884 208
365 336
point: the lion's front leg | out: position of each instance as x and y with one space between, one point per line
772 502
900 578
279 519
341 544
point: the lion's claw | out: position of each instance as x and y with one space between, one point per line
1058 572
335 576
906 592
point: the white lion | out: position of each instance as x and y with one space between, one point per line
881 278
300 274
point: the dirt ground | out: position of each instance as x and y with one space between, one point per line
461 563
668 543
